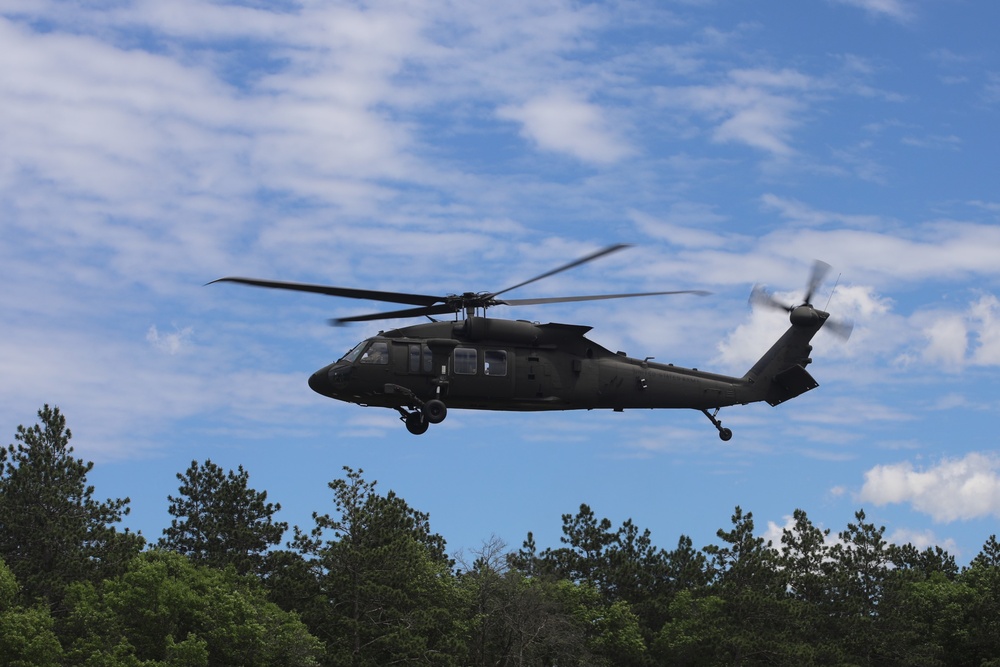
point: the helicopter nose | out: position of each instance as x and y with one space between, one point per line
320 381
330 380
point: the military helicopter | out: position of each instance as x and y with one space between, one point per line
484 363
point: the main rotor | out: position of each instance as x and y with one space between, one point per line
467 303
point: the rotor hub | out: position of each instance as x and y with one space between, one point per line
806 315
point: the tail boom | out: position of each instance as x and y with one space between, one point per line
780 375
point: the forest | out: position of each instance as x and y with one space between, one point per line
370 584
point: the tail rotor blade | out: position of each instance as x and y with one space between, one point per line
759 296
840 328
819 273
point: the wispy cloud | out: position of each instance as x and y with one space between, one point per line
756 108
565 123
897 10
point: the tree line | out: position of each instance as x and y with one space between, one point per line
370 583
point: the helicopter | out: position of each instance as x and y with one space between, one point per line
485 363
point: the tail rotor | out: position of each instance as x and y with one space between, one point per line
805 312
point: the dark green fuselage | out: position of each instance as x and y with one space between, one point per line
495 364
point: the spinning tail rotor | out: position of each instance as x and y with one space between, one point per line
805 313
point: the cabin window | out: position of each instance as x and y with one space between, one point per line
421 358
465 361
495 362
378 353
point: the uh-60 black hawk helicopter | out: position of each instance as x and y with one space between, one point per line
484 363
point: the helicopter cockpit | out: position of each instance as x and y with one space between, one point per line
368 352
332 380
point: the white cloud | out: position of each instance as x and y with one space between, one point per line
947 142
566 123
758 108
749 340
171 343
764 124
985 317
879 249
922 539
859 301
947 341
108 122
687 224
775 532
959 338
893 9
953 489
802 214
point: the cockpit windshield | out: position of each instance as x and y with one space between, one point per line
369 352
355 352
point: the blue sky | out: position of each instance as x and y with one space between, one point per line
147 148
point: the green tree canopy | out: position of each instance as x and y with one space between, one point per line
52 530
27 638
219 520
164 610
374 582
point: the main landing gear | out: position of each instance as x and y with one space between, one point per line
421 413
724 433
415 421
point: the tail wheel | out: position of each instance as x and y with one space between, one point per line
725 434
435 411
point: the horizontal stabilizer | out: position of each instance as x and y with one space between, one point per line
789 383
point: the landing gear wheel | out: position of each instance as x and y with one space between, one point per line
725 434
416 424
435 411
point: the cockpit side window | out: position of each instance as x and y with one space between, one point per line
377 353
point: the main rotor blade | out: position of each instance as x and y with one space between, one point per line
583 260
350 293
396 314
594 297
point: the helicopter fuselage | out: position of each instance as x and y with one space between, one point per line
495 364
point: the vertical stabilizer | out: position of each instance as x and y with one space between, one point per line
780 374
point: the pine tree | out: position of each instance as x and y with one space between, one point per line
380 580
219 520
52 531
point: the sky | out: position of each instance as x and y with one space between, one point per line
148 148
